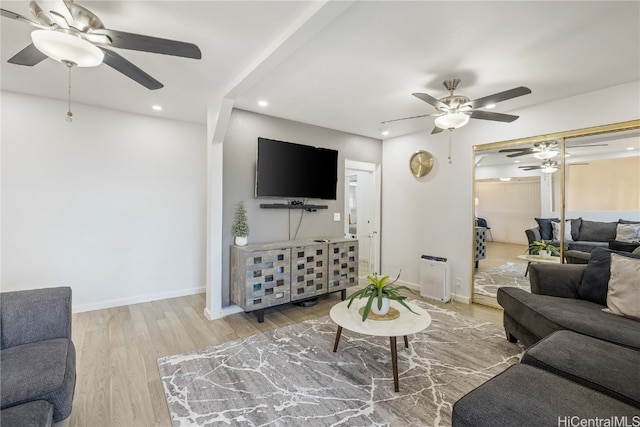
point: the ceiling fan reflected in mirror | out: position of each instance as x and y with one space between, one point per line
543 150
71 34
548 166
454 111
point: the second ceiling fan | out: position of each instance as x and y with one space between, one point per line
454 111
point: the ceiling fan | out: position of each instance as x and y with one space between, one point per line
454 111
73 35
543 150
548 166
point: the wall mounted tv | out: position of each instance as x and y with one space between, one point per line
288 170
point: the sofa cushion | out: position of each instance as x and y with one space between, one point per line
43 370
623 294
38 413
595 280
623 246
543 314
583 246
526 396
546 232
579 358
596 231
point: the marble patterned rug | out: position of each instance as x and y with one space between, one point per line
291 377
509 274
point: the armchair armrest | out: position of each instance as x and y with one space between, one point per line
533 234
34 315
557 280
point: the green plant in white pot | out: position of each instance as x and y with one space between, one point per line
240 227
543 248
380 292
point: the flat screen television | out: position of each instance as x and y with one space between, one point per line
288 170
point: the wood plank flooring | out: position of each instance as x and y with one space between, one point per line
118 383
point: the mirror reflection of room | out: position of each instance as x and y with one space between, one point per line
519 198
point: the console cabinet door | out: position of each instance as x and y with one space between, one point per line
343 265
308 271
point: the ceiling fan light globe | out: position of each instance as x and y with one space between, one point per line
546 154
549 169
64 47
452 120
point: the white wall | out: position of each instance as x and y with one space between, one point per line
433 215
112 204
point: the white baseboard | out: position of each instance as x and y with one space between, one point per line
223 312
79 308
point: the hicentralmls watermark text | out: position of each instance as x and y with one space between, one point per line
614 421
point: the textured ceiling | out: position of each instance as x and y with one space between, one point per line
347 65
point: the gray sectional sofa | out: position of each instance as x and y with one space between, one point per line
37 356
581 361
584 235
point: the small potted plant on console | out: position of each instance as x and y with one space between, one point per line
240 227
380 292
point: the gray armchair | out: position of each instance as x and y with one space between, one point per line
37 355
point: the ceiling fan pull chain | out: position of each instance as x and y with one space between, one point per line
450 132
69 113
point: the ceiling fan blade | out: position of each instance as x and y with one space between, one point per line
587 145
436 129
407 118
513 150
122 65
29 56
18 17
499 97
142 43
522 153
530 168
431 100
490 115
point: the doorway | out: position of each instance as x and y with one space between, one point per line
362 212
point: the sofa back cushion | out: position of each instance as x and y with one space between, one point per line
596 231
595 281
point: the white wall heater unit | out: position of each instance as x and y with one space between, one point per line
434 278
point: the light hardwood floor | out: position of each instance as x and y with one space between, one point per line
118 383
498 253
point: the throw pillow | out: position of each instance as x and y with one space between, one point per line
596 231
575 228
623 295
627 232
636 251
546 232
595 280
567 231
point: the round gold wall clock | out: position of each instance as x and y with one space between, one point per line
421 163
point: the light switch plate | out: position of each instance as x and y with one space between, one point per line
336 216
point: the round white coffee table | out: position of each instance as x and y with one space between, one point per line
407 323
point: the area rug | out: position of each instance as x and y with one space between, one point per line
509 274
291 377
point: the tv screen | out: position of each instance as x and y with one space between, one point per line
290 170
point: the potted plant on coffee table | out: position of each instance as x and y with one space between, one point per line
543 248
380 292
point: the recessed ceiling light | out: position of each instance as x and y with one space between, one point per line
157 107
506 179
516 161
630 148
567 155
263 103
490 106
385 132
